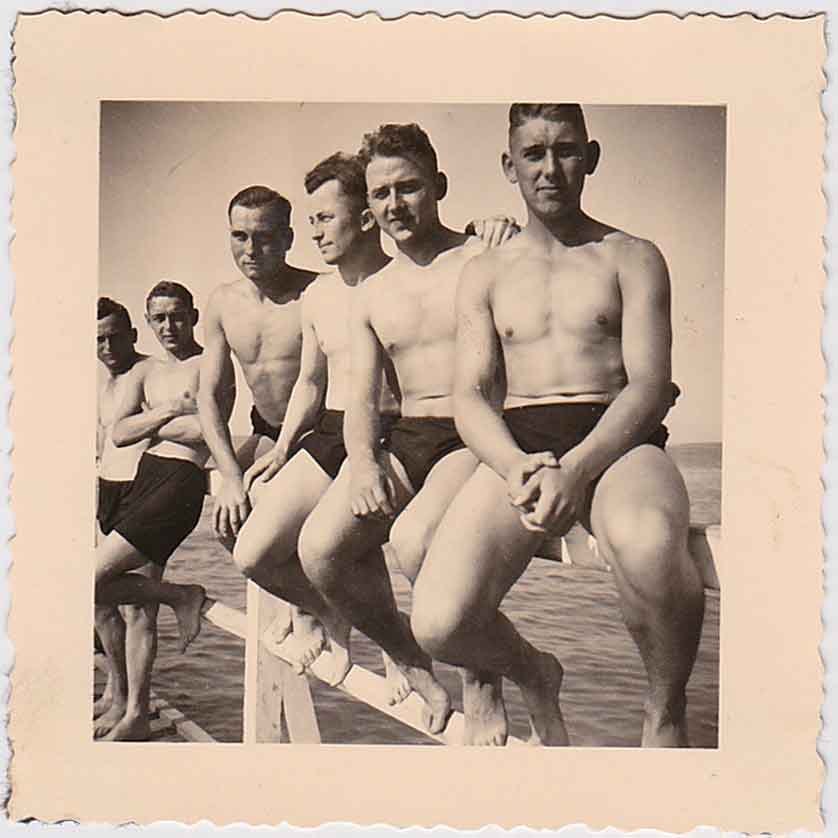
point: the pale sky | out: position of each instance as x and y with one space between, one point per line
169 169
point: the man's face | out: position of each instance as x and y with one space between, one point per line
335 221
402 196
172 322
115 341
549 161
259 239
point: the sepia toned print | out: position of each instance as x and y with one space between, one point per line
410 414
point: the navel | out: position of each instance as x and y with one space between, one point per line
508 332
602 320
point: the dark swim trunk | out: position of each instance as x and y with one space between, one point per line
111 502
325 442
163 506
420 442
262 427
560 427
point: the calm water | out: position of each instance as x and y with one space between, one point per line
572 613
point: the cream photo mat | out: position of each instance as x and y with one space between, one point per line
766 774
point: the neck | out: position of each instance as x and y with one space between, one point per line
363 261
183 353
114 374
283 284
423 250
569 229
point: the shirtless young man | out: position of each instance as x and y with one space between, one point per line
164 503
577 314
310 449
403 320
115 341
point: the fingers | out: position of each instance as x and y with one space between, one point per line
382 501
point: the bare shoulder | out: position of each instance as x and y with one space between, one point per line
226 293
633 253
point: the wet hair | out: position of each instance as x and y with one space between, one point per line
256 197
521 112
408 141
105 307
347 170
167 288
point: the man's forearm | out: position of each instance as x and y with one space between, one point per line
301 414
185 429
140 426
362 432
485 433
628 422
216 434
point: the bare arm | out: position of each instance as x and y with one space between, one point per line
477 404
371 493
303 405
185 429
216 393
362 423
133 424
646 345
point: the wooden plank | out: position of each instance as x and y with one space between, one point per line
230 619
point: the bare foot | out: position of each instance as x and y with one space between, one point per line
665 728
306 641
541 695
334 661
437 702
108 720
280 628
188 614
483 709
133 728
398 686
102 704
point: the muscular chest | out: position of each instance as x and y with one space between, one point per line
109 397
580 301
265 333
417 313
331 326
169 381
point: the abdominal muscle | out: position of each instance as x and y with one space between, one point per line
270 384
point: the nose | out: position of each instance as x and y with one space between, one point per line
248 246
551 166
395 200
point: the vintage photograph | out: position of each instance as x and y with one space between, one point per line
409 423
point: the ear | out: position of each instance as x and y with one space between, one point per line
134 334
147 318
592 155
508 167
195 317
289 237
441 185
367 220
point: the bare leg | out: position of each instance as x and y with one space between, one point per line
115 557
111 628
460 587
266 552
410 538
141 651
640 517
342 557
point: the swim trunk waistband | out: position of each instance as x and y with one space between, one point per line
560 427
420 442
261 427
163 506
110 504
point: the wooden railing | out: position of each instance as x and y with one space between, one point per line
277 702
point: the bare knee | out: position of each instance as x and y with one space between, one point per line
141 617
248 558
437 623
647 547
410 540
315 547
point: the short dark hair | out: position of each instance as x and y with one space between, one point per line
346 169
256 197
105 307
520 112
167 288
399 141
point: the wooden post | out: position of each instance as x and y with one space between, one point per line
271 688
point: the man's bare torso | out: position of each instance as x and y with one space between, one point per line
558 314
164 381
265 336
118 464
328 301
412 311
